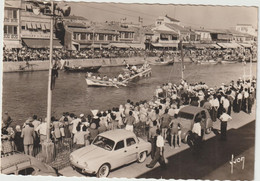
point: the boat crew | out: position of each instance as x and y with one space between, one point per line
105 78
98 77
115 79
89 74
120 77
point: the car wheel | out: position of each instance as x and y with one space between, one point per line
208 130
103 171
142 157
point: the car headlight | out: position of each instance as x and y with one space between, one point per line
71 157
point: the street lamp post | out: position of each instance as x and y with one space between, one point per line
48 146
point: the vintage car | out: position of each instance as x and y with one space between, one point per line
15 163
187 116
110 150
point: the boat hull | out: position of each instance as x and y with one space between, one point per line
82 69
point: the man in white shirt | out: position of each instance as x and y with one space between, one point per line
42 130
159 157
224 118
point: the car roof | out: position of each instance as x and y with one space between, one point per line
191 109
118 134
14 159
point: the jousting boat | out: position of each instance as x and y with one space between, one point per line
104 83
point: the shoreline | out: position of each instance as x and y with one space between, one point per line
14 67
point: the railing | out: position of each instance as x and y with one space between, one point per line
10 20
10 36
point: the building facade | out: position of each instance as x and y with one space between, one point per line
12 35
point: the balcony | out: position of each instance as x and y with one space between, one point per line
10 20
10 36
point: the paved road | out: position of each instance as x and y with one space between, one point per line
214 154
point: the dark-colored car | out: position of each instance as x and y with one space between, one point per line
187 116
20 164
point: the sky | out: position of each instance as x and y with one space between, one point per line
189 15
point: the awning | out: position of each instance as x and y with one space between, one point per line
38 25
140 46
245 45
157 45
29 25
119 45
28 6
43 26
41 43
229 45
47 26
34 26
216 46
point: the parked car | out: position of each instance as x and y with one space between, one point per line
187 116
110 150
16 163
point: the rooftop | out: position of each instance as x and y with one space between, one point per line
118 134
172 19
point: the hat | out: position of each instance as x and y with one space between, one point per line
81 115
94 112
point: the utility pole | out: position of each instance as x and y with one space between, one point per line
182 65
48 145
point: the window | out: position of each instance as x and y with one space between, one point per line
120 145
130 141
5 29
23 27
6 13
174 37
109 37
74 36
14 14
10 30
91 37
83 36
10 14
127 35
26 171
101 37
163 37
15 30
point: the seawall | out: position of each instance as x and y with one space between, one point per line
44 65
105 62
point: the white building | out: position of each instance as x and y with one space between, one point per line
246 28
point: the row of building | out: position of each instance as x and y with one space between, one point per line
24 27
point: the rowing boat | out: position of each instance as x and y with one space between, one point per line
170 62
145 73
82 69
103 83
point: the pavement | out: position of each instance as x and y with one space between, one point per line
213 157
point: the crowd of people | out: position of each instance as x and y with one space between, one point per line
27 54
144 118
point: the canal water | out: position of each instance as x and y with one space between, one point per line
25 94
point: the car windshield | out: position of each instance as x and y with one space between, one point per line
104 142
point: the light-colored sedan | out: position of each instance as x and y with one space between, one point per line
108 151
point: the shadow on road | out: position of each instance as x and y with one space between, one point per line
212 154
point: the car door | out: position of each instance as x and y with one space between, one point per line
119 154
132 149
